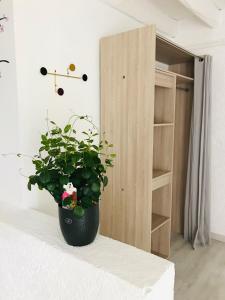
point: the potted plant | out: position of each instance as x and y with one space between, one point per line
72 166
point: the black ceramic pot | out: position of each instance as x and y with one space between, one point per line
79 231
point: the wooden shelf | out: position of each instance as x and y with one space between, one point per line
179 78
160 178
164 79
183 79
158 221
163 124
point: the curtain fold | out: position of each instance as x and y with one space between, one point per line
197 198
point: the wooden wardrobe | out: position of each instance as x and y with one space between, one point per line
146 102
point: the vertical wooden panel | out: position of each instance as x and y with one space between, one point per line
184 100
161 242
127 108
186 68
163 150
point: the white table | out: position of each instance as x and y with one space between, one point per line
36 263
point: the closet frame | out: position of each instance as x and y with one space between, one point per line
146 101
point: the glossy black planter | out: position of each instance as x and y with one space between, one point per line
79 231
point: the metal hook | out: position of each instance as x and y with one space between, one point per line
6 61
3 18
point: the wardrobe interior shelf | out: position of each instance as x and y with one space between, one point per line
163 124
180 78
160 178
158 221
183 79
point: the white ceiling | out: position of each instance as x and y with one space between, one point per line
167 14
173 8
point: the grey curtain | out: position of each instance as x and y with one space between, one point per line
197 199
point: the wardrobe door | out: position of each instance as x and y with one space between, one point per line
127 108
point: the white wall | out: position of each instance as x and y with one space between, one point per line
9 168
53 34
218 140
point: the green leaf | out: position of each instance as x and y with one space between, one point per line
44 138
42 149
85 133
69 169
72 139
113 155
52 122
105 181
46 159
44 177
101 169
86 174
29 186
95 187
78 211
86 190
67 128
76 181
63 180
54 152
38 164
56 131
95 147
33 179
50 187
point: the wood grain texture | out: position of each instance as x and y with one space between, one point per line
163 150
165 98
163 79
127 105
160 179
158 221
161 240
186 68
163 124
184 102
161 201
169 53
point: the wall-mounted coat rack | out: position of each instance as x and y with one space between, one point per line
3 18
71 68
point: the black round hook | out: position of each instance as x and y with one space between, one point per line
60 92
85 77
6 61
3 18
44 71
